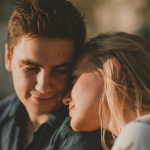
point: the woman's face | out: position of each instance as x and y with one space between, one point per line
85 96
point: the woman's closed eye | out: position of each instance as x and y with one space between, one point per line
74 79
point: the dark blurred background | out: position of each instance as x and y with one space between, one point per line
101 16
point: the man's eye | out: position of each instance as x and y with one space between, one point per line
61 71
31 69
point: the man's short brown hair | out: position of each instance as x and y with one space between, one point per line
45 18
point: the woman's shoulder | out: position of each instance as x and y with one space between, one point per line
135 135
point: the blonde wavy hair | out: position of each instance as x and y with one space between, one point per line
123 60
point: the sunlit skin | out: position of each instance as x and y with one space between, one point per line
83 100
41 70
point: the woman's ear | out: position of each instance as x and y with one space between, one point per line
7 59
129 113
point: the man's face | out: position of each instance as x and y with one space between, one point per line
41 70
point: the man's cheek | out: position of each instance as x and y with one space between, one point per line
63 84
63 79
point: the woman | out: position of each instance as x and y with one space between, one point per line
112 88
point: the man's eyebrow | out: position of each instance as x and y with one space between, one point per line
66 64
30 62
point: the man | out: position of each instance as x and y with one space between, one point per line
44 37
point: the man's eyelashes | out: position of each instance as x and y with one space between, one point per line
31 68
61 71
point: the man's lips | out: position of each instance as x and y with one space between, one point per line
71 107
41 100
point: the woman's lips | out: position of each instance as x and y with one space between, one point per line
71 107
70 111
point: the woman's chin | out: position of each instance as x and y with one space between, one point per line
78 127
82 127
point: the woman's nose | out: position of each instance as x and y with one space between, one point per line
67 99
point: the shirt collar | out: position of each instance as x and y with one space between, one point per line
57 117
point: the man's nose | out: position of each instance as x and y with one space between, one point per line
67 99
44 83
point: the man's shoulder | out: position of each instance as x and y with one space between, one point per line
7 104
79 140
8 100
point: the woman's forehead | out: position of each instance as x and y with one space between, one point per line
81 63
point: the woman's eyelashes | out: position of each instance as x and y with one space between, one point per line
74 79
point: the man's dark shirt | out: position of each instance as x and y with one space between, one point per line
54 134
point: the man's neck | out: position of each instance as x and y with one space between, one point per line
36 120
33 122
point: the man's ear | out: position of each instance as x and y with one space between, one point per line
7 59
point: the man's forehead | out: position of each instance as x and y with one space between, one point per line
32 45
25 39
